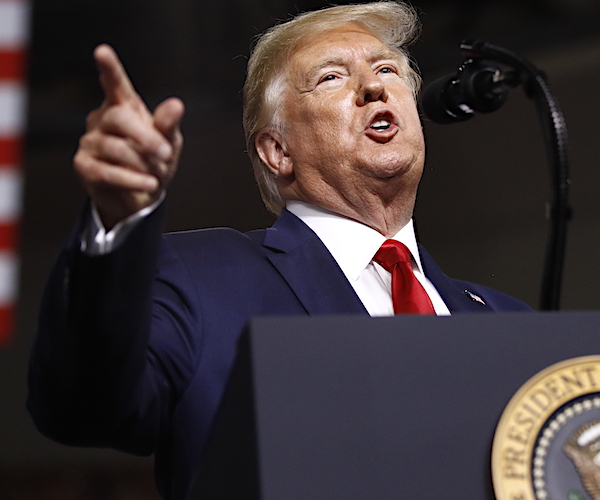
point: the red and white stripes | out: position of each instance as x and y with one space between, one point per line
14 34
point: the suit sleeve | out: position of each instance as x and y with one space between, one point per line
93 378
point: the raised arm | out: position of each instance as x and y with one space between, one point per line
128 155
90 381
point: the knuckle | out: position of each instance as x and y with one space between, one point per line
91 119
87 142
79 161
84 167
113 118
110 117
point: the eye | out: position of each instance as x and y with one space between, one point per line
327 78
388 69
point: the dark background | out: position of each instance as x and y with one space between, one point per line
481 208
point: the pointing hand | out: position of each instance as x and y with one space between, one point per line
128 155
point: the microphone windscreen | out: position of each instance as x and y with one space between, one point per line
435 102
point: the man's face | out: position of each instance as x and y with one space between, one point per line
350 119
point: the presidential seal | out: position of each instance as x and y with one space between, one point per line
547 443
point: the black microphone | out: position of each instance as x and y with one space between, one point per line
478 87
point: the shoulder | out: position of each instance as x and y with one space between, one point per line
222 240
206 253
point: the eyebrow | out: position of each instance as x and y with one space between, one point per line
334 61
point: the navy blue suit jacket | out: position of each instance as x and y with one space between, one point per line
134 348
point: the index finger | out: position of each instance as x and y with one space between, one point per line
114 80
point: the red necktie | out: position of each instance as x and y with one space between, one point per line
408 295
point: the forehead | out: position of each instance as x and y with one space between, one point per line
344 41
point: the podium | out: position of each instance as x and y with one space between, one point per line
350 407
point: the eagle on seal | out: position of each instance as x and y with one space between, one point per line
583 448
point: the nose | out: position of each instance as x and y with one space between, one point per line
371 88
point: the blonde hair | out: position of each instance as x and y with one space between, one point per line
394 23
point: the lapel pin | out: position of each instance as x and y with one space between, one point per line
475 298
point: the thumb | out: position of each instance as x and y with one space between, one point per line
167 117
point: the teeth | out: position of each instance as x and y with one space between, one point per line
381 124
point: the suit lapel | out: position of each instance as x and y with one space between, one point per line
457 298
309 269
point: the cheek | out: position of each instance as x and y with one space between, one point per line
415 119
410 111
335 122
411 122
321 127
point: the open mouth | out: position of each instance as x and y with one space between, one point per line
381 124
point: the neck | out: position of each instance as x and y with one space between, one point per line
385 214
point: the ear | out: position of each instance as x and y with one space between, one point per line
272 150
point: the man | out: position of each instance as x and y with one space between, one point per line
138 331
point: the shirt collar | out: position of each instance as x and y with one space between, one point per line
351 243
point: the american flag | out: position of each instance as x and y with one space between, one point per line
14 34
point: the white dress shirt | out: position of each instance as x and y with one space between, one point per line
353 245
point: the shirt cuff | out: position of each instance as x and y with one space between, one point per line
95 240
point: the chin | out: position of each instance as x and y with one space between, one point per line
392 165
